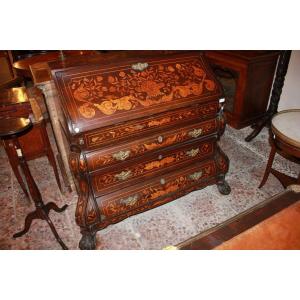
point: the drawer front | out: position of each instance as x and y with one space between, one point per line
153 165
124 152
112 134
148 193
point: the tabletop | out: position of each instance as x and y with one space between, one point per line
11 126
22 67
18 95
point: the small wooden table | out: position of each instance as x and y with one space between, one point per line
16 102
10 130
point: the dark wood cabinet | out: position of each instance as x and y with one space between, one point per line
246 77
142 131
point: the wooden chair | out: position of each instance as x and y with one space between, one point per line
285 140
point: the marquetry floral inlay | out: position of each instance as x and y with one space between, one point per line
128 89
155 192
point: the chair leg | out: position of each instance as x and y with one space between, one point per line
269 166
51 159
50 154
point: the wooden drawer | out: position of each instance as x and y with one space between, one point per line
142 146
159 162
176 117
151 192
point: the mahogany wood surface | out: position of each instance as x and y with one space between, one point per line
252 72
22 66
142 129
11 126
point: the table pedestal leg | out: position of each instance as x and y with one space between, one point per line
42 210
42 213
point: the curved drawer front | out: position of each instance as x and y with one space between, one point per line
120 177
148 193
113 134
127 151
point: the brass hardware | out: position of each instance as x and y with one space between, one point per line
123 175
81 141
196 175
76 129
121 155
195 133
139 66
192 152
160 157
160 139
162 181
130 201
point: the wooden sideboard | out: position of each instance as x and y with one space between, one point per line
246 77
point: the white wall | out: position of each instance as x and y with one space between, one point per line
290 97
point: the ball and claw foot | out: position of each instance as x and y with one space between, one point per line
88 241
223 186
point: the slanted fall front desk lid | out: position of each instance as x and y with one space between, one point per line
101 94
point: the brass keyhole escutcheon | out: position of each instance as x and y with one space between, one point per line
160 139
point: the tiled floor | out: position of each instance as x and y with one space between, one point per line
169 224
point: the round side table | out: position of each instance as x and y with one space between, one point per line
11 129
285 140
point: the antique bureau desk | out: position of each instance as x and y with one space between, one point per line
142 131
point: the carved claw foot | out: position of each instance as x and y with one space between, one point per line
88 241
223 186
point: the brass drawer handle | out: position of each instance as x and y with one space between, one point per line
196 175
160 139
123 175
192 152
130 201
139 66
121 155
195 133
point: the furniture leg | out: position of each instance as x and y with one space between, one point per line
284 179
269 166
42 210
50 154
63 172
88 240
45 212
28 220
222 185
42 213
